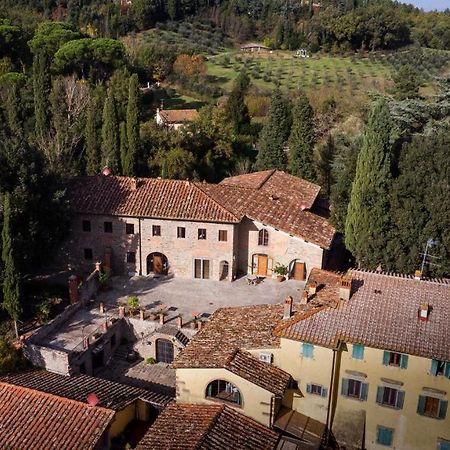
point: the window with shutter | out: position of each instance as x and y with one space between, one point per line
385 436
404 361
447 370
442 409
400 399
387 396
344 388
307 350
364 391
443 444
432 407
309 388
357 351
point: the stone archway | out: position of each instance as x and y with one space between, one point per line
157 263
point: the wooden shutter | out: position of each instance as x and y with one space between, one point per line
404 361
386 357
447 369
380 393
364 391
400 399
344 388
324 392
308 388
442 409
434 367
421 404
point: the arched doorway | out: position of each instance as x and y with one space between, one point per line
157 263
164 351
224 269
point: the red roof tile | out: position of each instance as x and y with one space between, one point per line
381 313
207 427
35 420
178 115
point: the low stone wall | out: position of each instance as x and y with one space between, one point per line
47 358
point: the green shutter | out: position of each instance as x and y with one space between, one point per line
386 357
308 388
421 404
358 351
324 392
442 409
434 367
344 388
380 393
364 391
404 361
447 369
400 399
384 436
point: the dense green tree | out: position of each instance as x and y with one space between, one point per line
110 154
12 84
92 138
368 224
132 127
407 83
323 160
41 88
301 139
236 109
272 154
124 148
11 279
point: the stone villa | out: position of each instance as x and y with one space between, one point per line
244 225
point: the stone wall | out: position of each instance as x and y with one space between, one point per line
47 358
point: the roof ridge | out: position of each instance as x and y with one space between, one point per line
210 427
196 184
266 179
405 276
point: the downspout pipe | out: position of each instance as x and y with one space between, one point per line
330 396
140 247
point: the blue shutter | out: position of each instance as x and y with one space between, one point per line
364 391
308 350
344 388
358 351
384 436
447 369
404 361
386 357
380 393
400 399
308 388
324 392
421 404
434 367
442 409
444 445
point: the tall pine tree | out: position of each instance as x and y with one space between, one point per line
123 148
11 291
368 222
41 90
91 137
132 127
301 139
236 110
110 135
274 135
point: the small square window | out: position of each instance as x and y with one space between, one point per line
202 233
86 225
88 253
181 232
307 350
131 257
385 436
156 230
223 236
107 226
357 351
129 228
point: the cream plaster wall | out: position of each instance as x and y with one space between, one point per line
192 383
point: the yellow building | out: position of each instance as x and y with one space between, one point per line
366 356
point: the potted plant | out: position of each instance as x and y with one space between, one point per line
103 279
133 303
281 271
195 319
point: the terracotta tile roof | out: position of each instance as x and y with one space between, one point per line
381 313
207 427
231 331
165 199
112 395
31 420
172 116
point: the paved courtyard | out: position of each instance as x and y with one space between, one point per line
202 297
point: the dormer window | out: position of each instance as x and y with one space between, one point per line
263 237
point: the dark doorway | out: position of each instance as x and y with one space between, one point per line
224 270
97 359
164 351
157 263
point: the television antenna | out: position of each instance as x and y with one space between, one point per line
430 244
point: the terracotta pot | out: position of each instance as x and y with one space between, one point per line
280 278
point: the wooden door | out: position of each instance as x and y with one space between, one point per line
263 262
299 271
158 264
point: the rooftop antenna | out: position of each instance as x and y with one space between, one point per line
430 244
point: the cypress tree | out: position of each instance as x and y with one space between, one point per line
368 222
236 110
123 148
271 153
301 139
41 90
11 291
132 127
110 135
91 136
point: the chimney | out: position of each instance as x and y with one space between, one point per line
98 266
105 326
312 287
106 171
304 299
73 289
287 313
345 287
199 325
418 275
424 311
121 312
141 314
161 319
102 308
179 322
135 183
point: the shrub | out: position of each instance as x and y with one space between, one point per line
150 360
133 302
